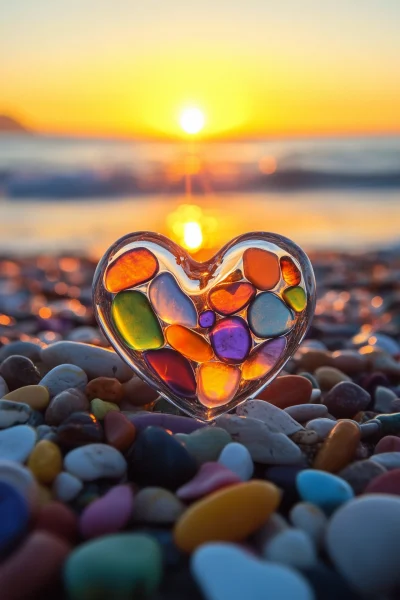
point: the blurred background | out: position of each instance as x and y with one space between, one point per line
200 121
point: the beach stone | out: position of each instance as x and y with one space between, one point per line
108 389
217 383
369 429
63 377
383 399
323 489
358 474
66 487
275 418
306 412
350 362
292 547
287 390
189 343
366 532
45 432
78 429
99 408
173 369
263 358
390 424
305 437
214 518
3 387
108 514
237 459
124 565
159 459
226 571
35 396
158 506
119 431
321 426
231 340
173 423
315 396
95 461
15 514
395 406
34 567
328 377
389 460
268 316
309 359
310 519
385 363
135 321
205 444
389 443
339 448
346 399
20 479
272 527
45 461
16 443
264 447
171 304
387 483
58 519
311 378
211 477
95 361
36 419
19 371
30 350
65 404
130 269
13 413
137 392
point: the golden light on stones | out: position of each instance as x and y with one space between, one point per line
217 383
132 268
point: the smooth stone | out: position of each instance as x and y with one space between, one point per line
359 474
109 514
323 489
157 505
264 446
16 443
58 519
322 427
328 377
363 542
290 272
226 571
295 297
211 477
217 383
386 483
306 437
311 378
108 389
19 371
207 318
306 412
21 479
349 361
65 404
272 527
15 514
100 408
124 565
383 399
310 519
3 387
315 395
292 547
35 396
205 444
95 461
130 269
214 518
263 359
159 459
261 268
45 461
78 429
174 423
30 350
237 459
66 487
36 419
135 321
44 432
389 460
310 358
268 316
385 363
137 393
95 361
390 424
287 390
339 448
64 377
346 399
229 298
369 429
119 431
13 413
231 340
389 443
35 566
189 343
275 418
171 304
174 370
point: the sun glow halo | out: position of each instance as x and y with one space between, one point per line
192 235
192 120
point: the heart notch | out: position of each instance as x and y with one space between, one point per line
207 336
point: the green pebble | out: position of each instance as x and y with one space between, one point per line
390 424
295 297
100 408
121 567
136 322
205 444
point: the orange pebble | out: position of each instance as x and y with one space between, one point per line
105 388
261 268
287 390
228 515
132 268
339 448
189 343
290 272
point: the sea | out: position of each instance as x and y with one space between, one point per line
78 195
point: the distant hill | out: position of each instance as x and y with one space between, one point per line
10 125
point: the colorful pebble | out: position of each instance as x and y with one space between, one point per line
339 448
130 269
217 383
261 268
263 359
135 321
211 477
269 317
174 370
35 396
323 489
170 303
189 343
108 514
231 340
45 462
229 298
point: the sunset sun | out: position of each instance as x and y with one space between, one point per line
192 120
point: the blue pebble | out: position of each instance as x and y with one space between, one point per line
14 516
323 489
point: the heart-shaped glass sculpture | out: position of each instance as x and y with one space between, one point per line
207 336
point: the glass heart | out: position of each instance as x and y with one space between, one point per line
207 336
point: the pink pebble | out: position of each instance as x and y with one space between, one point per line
211 477
389 443
108 514
388 483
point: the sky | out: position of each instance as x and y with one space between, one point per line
256 68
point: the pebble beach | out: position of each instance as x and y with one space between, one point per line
108 491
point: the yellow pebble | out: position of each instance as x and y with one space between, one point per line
228 515
100 408
36 396
45 495
45 461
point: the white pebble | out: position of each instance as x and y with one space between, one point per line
16 443
275 418
21 479
66 487
389 460
95 461
64 377
237 458
305 412
292 547
315 395
310 519
13 413
322 427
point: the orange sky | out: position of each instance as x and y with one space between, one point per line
254 68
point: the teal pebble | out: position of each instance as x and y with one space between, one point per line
123 566
205 444
390 424
323 489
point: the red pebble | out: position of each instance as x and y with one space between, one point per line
57 518
388 483
389 443
286 391
118 430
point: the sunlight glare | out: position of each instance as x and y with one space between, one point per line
192 120
192 235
